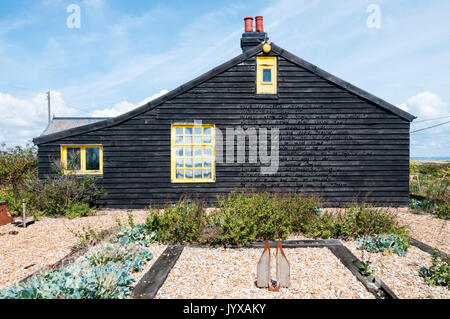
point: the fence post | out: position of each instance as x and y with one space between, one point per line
24 214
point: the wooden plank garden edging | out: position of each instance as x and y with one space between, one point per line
343 254
148 286
427 248
69 258
152 281
352 263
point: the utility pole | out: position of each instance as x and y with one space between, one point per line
49 109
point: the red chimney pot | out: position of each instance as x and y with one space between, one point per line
259 24
248 24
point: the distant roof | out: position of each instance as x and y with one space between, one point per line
59 124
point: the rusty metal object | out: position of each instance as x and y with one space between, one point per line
5 216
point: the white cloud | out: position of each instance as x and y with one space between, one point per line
26 118
425 105
432 141
124 106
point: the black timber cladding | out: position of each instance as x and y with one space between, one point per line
335 139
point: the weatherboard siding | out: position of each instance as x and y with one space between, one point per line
332 142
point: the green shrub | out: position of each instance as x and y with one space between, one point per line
382 243
16 165
74 210
438 273
62 195
364 219
178 223
431 181
55 195
242 217
442 211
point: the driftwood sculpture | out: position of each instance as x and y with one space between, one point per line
283 268
263 268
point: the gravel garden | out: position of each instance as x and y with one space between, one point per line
186 250
105 255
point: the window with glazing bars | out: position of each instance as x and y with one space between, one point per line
192 153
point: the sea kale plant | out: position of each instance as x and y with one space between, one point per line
439 272
383 243
139 234
103 274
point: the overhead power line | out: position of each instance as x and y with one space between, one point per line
437 118
426 128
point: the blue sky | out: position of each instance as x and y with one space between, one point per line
127 52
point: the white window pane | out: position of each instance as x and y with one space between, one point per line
180 173
188 173
198 162
207 131
179 139
188 151
207 151
179 131
179 151
179 162
188 131
198 173
197 131
207 173
197 139
188 162
197 151
206 139
207 162
188 139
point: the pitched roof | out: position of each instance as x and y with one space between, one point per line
215 71
59 124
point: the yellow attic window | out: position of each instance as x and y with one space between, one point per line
82 159
192 153
266 75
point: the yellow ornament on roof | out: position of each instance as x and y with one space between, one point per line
266 48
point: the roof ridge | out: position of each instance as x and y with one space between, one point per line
151 104
213 72
342 83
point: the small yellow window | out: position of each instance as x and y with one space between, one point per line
82 159
266 75
192 153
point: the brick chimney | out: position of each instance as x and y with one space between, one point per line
252 38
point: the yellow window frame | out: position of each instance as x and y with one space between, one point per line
266 62
83 170
174 145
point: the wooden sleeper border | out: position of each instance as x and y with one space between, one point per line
154 278
152 281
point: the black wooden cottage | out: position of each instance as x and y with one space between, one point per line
209 137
